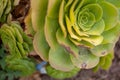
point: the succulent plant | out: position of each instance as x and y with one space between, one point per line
72 34
5 8
6 73
17 45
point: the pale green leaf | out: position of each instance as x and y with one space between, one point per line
61 74
39 10
102 49
110 15
40 45
59 59
85 60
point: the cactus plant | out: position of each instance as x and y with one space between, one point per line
72 34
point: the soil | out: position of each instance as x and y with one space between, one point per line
113 73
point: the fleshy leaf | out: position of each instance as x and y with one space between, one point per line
18 35
111 35
51 22
66 43
61 18
102 49
5 8
105 62
21 49
71 13
39 10
110 15
95 40
40 45
3 4
8 7
70 31
61 74
83 3
95 9
102 61
79 32
53 8
81 43
25 66
108 61
115 2
59 59
86 20
97 29
8 30
85 60
50 29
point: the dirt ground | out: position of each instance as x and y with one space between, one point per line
113 73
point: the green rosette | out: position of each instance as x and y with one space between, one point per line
17 45
74 33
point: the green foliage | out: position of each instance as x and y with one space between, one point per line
17 46
17 42
60 74
4 71
115 2
105 62
5 8
24 65
75 33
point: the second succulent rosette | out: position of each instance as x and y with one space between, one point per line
74 34
17 47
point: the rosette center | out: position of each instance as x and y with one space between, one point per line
85 19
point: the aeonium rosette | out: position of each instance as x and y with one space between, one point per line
74 33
